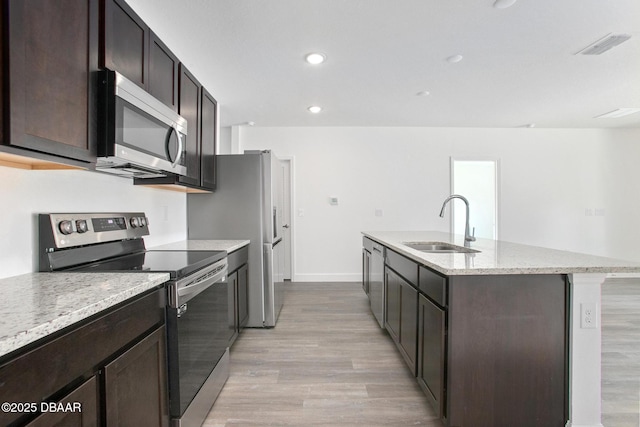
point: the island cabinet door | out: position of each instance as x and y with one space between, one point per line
507 351
392 304
402 316
431 353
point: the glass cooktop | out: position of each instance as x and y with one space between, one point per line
178 264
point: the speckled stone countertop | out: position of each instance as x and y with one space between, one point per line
203 245
498 257
38 304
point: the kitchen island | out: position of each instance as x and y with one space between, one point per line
508 335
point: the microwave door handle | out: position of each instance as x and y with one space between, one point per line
180 146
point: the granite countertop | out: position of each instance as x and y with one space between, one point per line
203 245
38 304
498 257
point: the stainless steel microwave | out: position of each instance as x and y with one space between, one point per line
138 135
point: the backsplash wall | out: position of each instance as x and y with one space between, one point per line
25 193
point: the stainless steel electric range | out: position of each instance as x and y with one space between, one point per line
197 300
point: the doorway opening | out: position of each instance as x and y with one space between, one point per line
477 180
286 165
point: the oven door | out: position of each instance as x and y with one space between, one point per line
197 332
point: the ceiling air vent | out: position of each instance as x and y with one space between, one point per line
604 44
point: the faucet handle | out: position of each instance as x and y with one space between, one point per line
472 238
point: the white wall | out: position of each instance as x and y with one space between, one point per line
570 189
24 194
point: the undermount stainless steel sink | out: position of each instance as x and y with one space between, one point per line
439 247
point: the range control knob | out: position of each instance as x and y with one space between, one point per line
135 222
65 227
143 221
82 226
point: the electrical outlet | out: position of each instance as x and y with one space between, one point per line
589 316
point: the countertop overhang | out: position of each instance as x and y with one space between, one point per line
497 257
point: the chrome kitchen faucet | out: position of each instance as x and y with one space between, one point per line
468 238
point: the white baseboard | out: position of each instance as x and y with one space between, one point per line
327 277
569 424
624 275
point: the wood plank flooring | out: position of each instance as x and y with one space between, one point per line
621 353
328 363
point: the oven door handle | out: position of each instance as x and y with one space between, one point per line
178 296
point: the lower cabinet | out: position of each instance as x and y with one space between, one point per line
80 408
238 281
109 370
243 296
431 353
136 384
487 350
402 316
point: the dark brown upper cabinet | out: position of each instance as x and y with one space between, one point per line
208 136
200 110
124 41
189 108
129 47
49 59
163 72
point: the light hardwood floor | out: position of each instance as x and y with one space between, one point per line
328 363
621 353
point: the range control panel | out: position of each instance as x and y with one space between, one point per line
66 230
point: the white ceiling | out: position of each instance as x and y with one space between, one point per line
520 64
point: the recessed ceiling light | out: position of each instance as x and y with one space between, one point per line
503 4
454 58
314 109
620 112
315 58
423 93
604 44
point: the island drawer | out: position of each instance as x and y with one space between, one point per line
367 244
433 285
403 266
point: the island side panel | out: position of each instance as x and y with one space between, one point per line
507 351
585 361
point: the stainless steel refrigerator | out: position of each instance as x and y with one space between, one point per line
247 205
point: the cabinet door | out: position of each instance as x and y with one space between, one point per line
125 42
189 108
392 318
163 72
408 324
208 135
136 385
80 409
52 55
431 353
232 298
243 296
366 270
